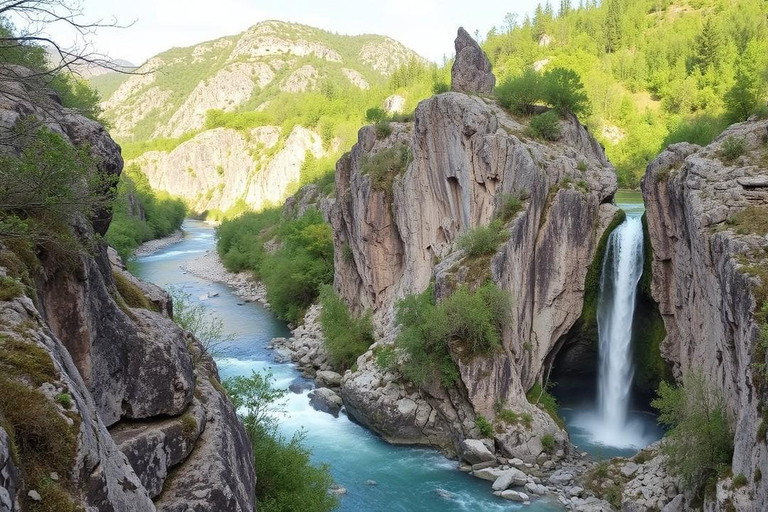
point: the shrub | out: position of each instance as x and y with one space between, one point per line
386 358
739 481
64 400
538 395
509 206
374 115
346 337
440 87
562 90
385 165
483 240
545 126
10 288
485 427
699 440
383 129
285 477
472 320
582 166
131 294
548 443
732 148
758 475
521 93
195 318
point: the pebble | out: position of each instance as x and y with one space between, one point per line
34 495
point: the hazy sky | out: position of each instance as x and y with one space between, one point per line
427 26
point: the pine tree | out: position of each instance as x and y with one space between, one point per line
613 29
709 44
749 90
565 8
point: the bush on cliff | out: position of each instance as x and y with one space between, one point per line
346 337
467 321
483 240
285 478
560 88
699 441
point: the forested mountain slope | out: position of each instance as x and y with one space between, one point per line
656 71
231 122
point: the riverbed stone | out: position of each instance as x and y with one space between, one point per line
508 478
326 378
560 477
490 474
325 400
474 451
629 469
514 496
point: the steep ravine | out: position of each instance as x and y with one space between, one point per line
113 382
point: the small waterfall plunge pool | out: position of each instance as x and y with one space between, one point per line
604 415
407 478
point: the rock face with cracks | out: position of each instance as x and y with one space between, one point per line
707 210
471 71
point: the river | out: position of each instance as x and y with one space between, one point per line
407 478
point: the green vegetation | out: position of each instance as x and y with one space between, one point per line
158 213
545 126
699 441
739 481
752 220
513 418
548 443
483 240
466 323
539 396
130 293
285 478
508 206
559 88
64 400
194 317
346 337
654 72
384 166
484 426
10 288
732 148
292 273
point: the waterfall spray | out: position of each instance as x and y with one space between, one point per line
622 269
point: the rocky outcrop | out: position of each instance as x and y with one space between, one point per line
468 158
85 346
706 211
220 168
471 71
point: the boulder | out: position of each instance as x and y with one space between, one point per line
474 451
676 505
629 469
514 496
561 477
328 379
471 71
508 478
325 400
490 474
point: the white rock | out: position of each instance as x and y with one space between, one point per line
474 451
34 495
508 478
514 496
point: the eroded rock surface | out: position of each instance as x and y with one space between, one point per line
471 71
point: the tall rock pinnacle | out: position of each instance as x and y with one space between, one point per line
471 71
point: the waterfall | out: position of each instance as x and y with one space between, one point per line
622 269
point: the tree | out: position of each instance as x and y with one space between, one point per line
520 94
699 440
613 26
709 45
749 90
563 91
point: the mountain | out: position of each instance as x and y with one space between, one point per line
231 121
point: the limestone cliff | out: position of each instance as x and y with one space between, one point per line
468 157
84 347
268 65
707 211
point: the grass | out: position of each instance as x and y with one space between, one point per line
545 401
483 240
384 166
732 148
752 220
188 427
131 294
485 427
739 481
548 443
64 400
10 288
27 361
512 418
346 337
509 206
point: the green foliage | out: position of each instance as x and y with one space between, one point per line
467 322
385 165
512 418
64 400
383 129
545 126
484 426
285 478
10 288
483 240
699 440
130 293
346 337
739 481
162 214
649 68
548 443
538 395
293 273
46 186
562 90
375 114
732 148
386 358
520 94
508 207
195 318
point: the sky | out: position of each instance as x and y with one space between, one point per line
426 26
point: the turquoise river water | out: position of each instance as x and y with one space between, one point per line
408 478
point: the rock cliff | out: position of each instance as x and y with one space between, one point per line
707 211
467 158
85 347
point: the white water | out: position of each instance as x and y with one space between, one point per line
622 269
